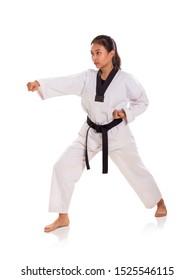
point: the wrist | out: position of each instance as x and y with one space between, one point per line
37 83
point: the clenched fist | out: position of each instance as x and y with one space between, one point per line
118 114
33 86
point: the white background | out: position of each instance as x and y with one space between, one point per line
109 225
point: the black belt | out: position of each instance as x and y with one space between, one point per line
101 129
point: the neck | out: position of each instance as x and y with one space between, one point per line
106 71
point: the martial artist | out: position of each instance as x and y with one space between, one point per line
111 98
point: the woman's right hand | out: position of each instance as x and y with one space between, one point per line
33 86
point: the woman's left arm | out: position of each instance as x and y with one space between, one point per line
138 99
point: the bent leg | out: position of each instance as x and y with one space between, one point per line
137 175
66 172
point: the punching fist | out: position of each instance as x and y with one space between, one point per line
33 86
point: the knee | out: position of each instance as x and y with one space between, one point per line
59 166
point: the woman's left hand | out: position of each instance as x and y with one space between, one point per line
118 114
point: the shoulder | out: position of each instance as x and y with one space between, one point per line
130 79
83 75
131 83
126 75
92 72
90 75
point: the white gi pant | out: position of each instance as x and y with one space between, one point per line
68 169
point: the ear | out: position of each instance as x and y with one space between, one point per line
112 53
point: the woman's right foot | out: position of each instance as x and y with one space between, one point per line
161 209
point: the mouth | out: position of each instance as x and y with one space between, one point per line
96 64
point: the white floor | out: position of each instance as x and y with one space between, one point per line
109 228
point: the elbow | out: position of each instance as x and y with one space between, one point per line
147 104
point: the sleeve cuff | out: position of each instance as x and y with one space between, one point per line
129 115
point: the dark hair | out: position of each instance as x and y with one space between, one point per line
109 44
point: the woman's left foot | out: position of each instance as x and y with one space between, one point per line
62 221
161 209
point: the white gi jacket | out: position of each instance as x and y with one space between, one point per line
124 92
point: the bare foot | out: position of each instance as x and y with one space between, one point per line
161 209
62 221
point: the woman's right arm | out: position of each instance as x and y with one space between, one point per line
51 87
33 86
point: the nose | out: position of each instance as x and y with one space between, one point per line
94 57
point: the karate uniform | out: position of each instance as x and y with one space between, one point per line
124 92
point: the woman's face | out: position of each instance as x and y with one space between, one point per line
100 56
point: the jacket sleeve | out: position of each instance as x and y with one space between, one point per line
138 101
72 84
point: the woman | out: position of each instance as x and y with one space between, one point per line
111 98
